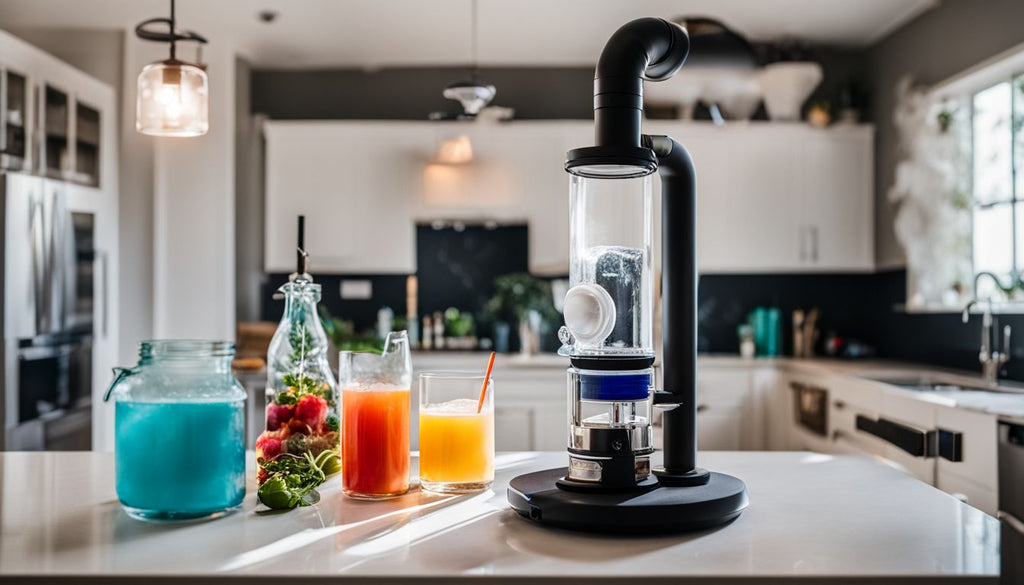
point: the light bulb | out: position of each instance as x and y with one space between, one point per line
173 100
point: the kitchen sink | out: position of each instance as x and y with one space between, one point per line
926 383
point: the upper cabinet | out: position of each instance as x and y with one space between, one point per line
775 197
771 197
55 120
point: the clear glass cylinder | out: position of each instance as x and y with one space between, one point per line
180 431
376 409
608 309
173 100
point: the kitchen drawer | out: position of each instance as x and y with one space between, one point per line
723 386
978 445
513 428
855 394
550 432
980 496
718 429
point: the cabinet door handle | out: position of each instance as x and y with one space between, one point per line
703 408
839 404
803 243
814 243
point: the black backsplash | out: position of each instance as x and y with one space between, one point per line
865 307
388 291
457 268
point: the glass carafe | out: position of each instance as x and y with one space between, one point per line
180 431
375 426
302 394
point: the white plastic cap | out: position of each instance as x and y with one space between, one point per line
589 313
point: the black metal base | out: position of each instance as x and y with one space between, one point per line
645 510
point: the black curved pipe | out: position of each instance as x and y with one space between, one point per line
645 48
678 310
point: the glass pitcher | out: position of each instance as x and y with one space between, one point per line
375 412
180 431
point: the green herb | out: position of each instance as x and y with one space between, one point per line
332 422
293 480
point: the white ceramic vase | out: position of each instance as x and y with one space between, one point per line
787 86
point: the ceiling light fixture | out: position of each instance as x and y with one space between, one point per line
173 95
472 94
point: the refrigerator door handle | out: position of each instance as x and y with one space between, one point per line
102 258
37 243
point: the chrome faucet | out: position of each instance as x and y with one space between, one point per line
991 359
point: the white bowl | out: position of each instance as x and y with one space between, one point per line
787 86
736 92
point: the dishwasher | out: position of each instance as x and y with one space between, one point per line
1011 501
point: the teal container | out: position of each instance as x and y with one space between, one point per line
179 431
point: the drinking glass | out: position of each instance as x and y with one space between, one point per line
375 419
456 441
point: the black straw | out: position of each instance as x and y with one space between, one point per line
300 251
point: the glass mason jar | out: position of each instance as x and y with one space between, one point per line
302 393
179 431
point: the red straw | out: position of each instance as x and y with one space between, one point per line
483 389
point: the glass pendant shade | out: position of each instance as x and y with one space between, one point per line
173 100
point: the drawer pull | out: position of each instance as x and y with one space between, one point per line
951 445
917 442
839 404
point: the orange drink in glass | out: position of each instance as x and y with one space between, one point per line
456 441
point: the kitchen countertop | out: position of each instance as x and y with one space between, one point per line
812 518
1008 403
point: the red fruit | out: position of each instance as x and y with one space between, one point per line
278 414
312 412
267 446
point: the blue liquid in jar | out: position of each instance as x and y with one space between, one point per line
180 459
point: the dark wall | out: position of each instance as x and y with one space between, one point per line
457 268
411 93
940 43
863 307
388 291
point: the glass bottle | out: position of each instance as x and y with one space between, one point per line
179 431
302 393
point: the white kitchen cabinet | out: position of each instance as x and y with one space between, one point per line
364 186
513 428
747 201
975 476
723 407
354 185
771 197
837 223
777 197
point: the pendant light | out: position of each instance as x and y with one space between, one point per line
173 95
472 94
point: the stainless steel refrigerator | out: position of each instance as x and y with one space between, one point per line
47 319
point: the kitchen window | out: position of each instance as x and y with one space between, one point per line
997 172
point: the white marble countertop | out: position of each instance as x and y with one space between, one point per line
812 518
